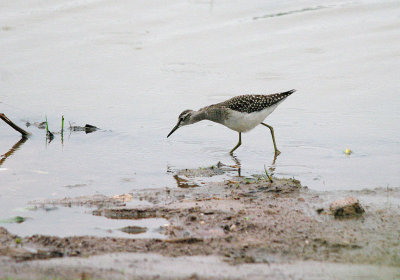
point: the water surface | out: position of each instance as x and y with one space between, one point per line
130 68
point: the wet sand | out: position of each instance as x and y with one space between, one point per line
236 228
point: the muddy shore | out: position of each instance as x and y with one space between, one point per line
239 227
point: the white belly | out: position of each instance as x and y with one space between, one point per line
243 122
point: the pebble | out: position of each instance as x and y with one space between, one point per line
348 207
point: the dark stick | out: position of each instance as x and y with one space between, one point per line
13 125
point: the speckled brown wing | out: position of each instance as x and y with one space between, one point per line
255 103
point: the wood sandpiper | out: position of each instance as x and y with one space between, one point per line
241 113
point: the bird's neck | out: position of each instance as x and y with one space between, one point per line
214 114
198 116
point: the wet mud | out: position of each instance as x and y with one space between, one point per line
240 220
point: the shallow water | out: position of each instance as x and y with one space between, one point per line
131 68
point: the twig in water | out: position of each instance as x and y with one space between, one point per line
13 125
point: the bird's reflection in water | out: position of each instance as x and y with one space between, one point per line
184 183
237 165
185 178
12 150
273 166
220 167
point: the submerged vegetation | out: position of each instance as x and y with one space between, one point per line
40 125
49 135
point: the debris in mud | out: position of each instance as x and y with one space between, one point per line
49 136
123 197
184 183
213 170
348 207
263 184
134 213
39 125
22 254
16 219
183 176
268 176
75 186
88 128
43 207
188 240
201 172
133 229
89 201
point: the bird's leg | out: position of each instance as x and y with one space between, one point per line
238 144
277 152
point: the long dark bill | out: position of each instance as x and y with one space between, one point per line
175 128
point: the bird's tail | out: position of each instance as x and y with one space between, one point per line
287 93
278 97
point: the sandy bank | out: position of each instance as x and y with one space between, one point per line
238 227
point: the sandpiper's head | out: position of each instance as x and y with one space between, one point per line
183 119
